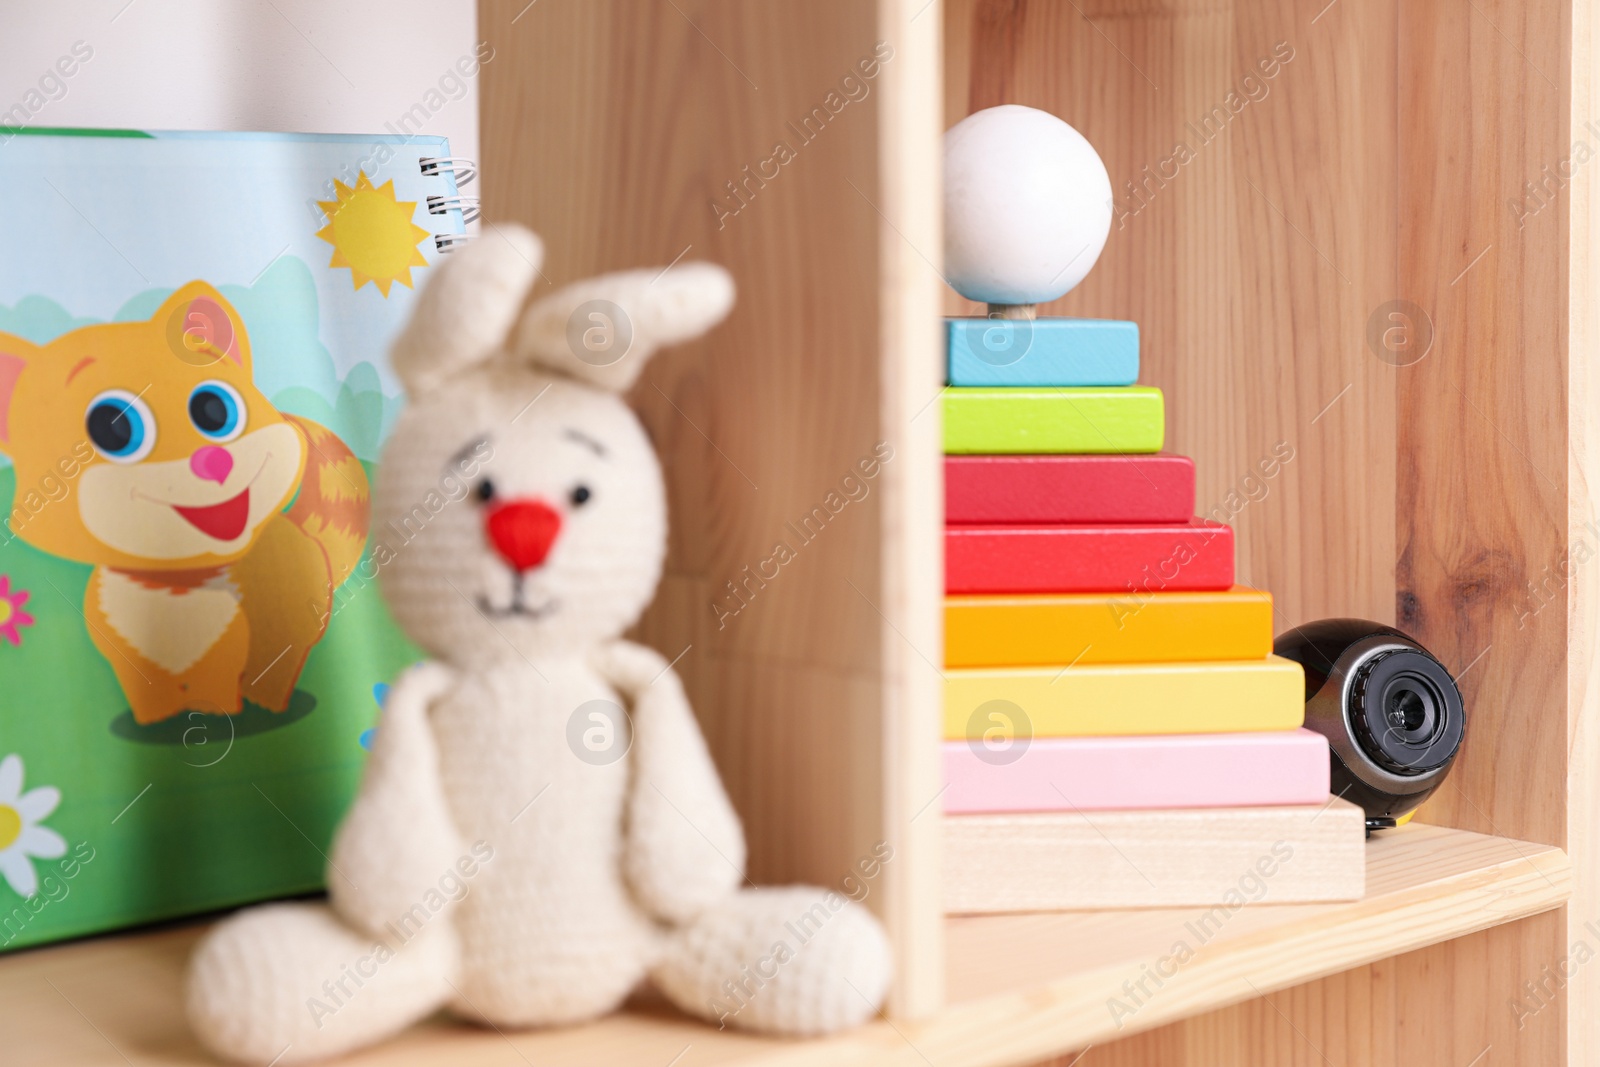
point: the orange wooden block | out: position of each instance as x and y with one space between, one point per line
1062 628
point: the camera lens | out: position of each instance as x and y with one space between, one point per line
1411 710
1406 713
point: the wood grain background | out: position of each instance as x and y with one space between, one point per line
1379 164
629 133
611 134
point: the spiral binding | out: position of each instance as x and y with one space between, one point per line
469 206
464 170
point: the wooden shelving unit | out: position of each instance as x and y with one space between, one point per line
1020 987
1378 171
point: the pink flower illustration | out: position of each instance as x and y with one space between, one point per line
12 617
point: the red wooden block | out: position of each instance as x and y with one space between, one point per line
1093 489
1134 559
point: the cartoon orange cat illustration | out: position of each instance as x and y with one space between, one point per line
206 591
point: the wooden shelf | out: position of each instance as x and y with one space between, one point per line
1021 987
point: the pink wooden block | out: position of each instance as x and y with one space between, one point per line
1119 773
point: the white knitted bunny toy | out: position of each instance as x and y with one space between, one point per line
509 855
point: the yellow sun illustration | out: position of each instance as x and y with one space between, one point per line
372 233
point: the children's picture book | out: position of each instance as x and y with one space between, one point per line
194 391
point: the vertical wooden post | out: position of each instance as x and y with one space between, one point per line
913 377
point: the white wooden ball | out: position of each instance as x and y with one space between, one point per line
1027 206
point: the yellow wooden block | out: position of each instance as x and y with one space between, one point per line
1002 707
1021 631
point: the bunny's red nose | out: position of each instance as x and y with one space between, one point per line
522 531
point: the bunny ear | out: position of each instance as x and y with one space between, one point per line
465 311
603 330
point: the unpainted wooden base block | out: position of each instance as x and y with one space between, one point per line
1224 858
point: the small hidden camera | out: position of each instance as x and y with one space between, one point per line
1391 713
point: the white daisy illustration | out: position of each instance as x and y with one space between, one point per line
21 837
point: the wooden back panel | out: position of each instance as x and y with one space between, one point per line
802 580
1319 227
1286 242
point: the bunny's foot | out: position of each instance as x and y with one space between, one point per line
290 983
795 960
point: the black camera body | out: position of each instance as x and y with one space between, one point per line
1392 714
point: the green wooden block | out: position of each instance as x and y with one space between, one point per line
1107 419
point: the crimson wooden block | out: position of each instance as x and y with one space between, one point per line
1137 559
1068 489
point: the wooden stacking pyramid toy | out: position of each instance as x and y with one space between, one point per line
1100 654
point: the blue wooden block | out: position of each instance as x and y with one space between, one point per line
1042 352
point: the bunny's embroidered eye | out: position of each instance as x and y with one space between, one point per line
121 426
484 491
217 410
580 496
